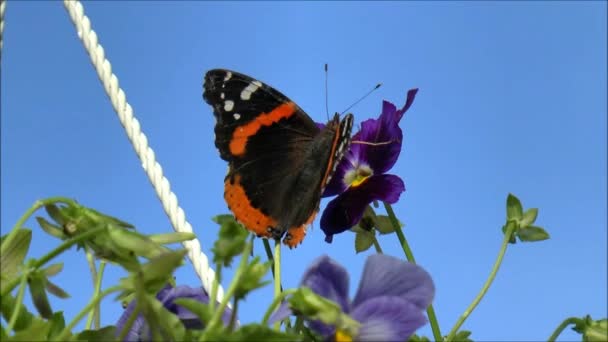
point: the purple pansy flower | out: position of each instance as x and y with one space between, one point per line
140 331
389 303
360 177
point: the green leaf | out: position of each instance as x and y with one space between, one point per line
201 310
8 304
529 217
12 253
53 269
37 330
514 208
532 233
512 239
231 241
37 284
55 213
258 332
107 333
251 278
57 324
51 229
158 317
363 241
596 331
165 239
134 242
155 273
384 225
56 290
416 338
463 336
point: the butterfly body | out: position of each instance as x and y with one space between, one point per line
279 160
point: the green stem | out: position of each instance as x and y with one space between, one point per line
235 306
217 315
562 326
55 252
277 276
377 245
486 285
96 313
430 311
275 303
404 245
215 286
18 302
68 329
93 271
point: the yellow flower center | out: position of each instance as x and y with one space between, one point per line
342 336
357 176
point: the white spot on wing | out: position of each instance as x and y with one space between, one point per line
236 116
228 105
228 76
250 89
222 95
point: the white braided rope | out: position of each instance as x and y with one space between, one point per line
2 10
140 142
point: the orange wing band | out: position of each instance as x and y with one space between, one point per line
298 233
253 219
242 133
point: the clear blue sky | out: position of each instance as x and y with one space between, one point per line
512 99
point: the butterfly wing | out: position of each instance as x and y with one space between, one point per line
266 139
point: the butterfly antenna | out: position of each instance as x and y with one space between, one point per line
362 98
326 96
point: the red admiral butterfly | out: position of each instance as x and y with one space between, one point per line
279 160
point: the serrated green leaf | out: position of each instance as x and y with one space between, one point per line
363 241
514 208
156 272
13 252
384 225
51 229
416 338
158 317
107 333
53 269
231 241
258 332
57 324
56 290
8 304
251 277
37 285
532 233
529 217
37 330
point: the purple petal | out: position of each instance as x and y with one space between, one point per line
137 329
189 319
346 210
385 132
385 275
282 312
387 318
328 279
